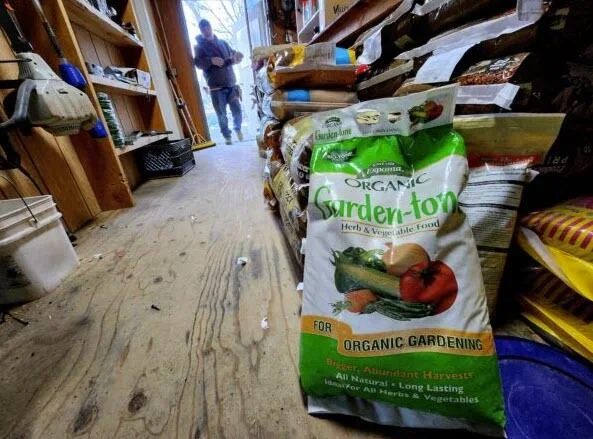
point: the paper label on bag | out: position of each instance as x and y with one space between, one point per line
475 34
320 53
491 200
501 95
528 9
440 66
372 47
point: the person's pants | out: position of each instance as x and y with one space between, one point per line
220 99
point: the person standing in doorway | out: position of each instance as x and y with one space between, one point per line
216 58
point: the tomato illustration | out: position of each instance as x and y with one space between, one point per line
430 282
433 110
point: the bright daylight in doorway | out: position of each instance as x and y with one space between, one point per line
226 88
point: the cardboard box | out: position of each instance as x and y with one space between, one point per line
332 9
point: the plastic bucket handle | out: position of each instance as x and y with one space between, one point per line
21 197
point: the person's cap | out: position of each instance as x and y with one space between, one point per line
203 23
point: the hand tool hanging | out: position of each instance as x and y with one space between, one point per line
68 72
41 98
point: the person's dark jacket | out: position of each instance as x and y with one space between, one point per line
216 77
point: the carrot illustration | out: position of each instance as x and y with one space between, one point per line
356 301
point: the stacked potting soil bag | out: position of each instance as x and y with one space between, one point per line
507 55
294 81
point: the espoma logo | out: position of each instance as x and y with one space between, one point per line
333 122
339 156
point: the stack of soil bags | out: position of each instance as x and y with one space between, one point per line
294 81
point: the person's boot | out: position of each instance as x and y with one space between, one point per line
239 136
228 140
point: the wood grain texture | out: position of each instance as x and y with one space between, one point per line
109 85
360 16
96 159
52 161
96 360
82 13
130 166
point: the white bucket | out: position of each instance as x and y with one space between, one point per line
34 256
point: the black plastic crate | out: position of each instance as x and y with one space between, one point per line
167 159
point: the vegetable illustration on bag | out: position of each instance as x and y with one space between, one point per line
401 283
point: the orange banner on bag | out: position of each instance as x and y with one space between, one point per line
441 340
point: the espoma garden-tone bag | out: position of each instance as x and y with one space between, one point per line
394 325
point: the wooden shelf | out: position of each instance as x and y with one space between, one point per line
308 31
119 87
141 143
96 23
359 17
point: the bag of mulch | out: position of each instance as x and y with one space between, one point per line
567 32
294 239
513 32
517 68
566 170
321 65
288 104
386 80
445 56
296 146
561 239
412 24
502 149
272 167
291 199
262 82
443 15
559 313
375 43
574 95
301 159
265 127
484 99
263 53
394 325
291 203
497 98
293 132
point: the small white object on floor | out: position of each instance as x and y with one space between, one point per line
300 287
265 324
242 260
97 257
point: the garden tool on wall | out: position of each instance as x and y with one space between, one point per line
42 98
68 71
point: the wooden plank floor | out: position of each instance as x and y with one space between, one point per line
97 361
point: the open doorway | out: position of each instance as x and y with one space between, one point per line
229 23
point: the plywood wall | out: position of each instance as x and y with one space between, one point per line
52 162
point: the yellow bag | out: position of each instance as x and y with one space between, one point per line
561 239
560 312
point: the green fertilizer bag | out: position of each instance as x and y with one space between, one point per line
394 324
